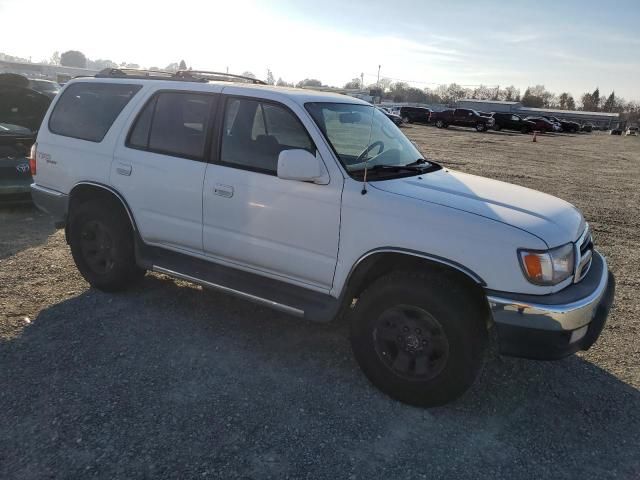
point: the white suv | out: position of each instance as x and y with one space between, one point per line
317 205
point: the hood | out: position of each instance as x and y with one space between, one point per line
551 219
22 106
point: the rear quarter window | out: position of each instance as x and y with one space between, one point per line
87 110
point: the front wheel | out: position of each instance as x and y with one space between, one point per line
419 339
497 127
525 130
439 124
481 127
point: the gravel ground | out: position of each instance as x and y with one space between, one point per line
172 381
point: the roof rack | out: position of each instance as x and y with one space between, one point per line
140 74
219 76
180 75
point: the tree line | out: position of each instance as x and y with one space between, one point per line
536 96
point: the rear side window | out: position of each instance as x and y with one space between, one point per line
173 123
87 110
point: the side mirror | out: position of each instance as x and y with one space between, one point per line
298 164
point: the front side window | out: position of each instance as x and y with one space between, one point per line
173 123
361 135
254 134
87 110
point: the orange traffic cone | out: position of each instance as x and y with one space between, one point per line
535 135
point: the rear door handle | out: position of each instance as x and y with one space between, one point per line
223 190
124 169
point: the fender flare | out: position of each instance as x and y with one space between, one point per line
112 191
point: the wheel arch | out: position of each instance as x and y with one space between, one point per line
376 263
85 191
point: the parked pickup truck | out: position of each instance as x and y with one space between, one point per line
462 117
510 121
316 205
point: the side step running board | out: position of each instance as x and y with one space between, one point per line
277 294
247 296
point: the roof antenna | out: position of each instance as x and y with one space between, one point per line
366 163
364 182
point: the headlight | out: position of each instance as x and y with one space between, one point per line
550 267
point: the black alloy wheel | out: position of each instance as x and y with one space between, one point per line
411 342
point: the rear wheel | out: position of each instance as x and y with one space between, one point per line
101 241
525 130
439 124
497 127
419 339
406 119
481 127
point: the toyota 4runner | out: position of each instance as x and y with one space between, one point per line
317 205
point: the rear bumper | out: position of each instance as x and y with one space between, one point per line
52 202
15 192
553 326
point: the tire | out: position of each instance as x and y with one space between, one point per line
101 241
525 130
442 353
406 119
497 127
480 127
439 124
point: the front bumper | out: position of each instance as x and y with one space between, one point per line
553 326
52 202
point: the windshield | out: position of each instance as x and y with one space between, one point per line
362 135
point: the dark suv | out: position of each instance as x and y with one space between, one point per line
509 121
415 114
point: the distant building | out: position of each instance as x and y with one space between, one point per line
57 73
601 119
488 105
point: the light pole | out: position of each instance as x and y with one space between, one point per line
378 84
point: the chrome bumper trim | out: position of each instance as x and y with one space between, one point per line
50 201
550 316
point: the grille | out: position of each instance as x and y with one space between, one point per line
584 254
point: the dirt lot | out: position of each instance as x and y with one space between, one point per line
172 381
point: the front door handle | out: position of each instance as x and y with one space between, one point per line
223 190
124 169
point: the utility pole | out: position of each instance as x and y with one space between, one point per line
361 81
378 85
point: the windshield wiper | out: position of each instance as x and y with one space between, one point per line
397 168
420 161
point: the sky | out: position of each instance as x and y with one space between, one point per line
566 45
